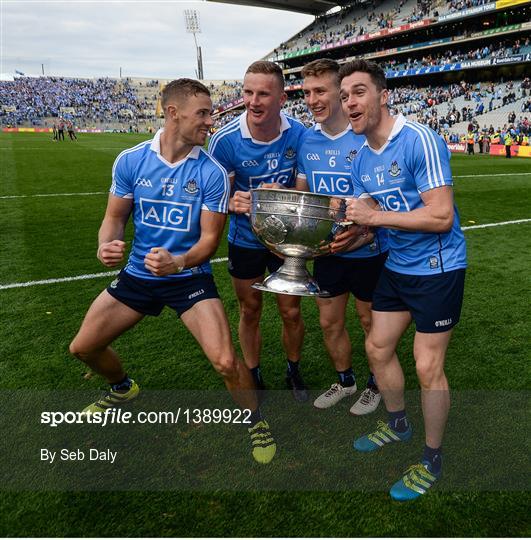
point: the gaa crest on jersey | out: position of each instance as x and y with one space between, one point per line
395 170
145 182
191 187
290 153
351 155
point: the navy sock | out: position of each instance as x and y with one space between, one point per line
346 378
433 456
257 375
398 421
255 417
293 367
371 383
122 386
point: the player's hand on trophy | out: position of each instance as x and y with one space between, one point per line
111 253
358 211
241 202
351 238
272 185
160 262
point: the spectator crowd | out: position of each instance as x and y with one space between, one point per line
31 99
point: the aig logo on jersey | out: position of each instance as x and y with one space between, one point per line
191 187
166 214
331 183
392 200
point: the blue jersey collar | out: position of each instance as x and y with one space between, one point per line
318 127
400 122
246 134
155 146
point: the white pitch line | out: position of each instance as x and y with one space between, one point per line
104 192
76 278
53 195
486 225
47 148
218 260
490 175
58 280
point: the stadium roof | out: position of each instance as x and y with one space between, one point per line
310 7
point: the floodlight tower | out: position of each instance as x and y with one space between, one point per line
191 19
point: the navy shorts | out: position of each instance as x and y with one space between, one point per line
149 296
249 263
338 275
434 301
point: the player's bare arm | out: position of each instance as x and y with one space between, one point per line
436 216
111 247
160 262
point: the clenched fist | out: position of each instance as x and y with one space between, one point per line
160 262
111 253
358 211
241 202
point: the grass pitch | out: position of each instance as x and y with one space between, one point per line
48 234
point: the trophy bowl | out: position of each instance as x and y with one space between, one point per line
296 226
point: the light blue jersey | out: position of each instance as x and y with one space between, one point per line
413 160
168 200
325 161
253 162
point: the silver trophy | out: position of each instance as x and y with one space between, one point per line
296 226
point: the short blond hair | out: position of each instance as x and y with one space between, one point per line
319 67
182 89
267 68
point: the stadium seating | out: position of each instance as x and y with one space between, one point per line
497 118
363 19
39 100
448 104
113 104
353 21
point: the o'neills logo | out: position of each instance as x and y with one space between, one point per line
444 322
196 293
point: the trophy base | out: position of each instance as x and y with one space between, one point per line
291 278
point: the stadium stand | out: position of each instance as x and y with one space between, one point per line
40 100
115 104
368 17
449 64
353 21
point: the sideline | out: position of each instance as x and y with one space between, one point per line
105 192
53 195
218 260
